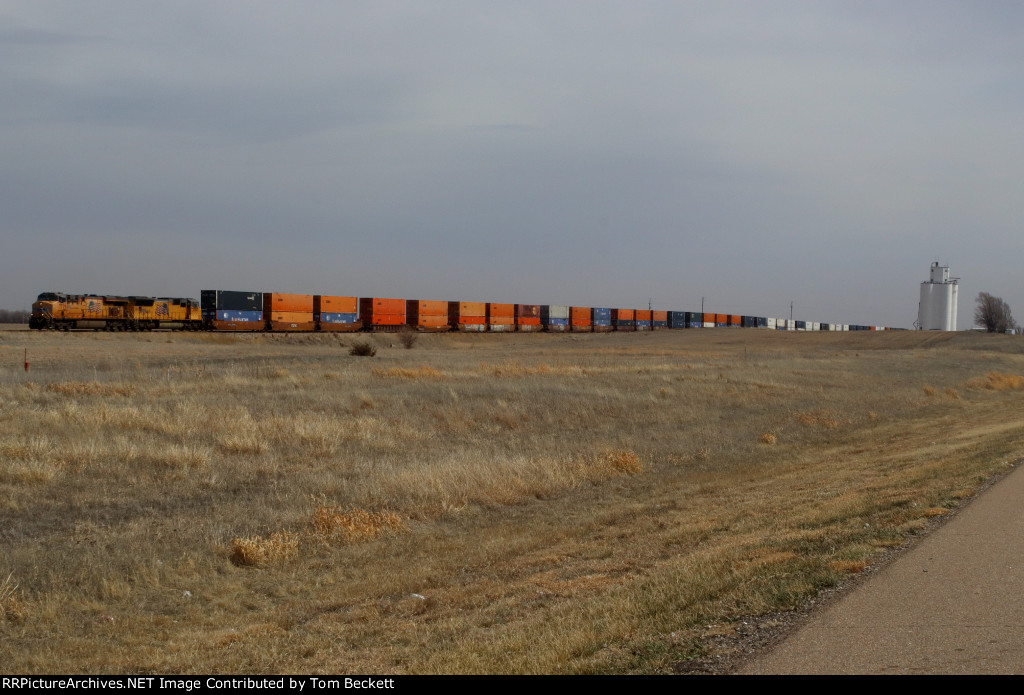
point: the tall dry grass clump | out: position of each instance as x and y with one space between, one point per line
256 550
624 461
12 604
334 524
996 381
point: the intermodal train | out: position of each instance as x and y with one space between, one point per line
222 310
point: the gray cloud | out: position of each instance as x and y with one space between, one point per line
586 152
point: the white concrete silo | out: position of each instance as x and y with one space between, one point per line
937 310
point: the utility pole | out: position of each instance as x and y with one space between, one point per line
791 311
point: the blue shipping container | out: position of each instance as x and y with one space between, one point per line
557 322
240 316
338 318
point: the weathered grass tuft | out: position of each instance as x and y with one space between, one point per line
996 381
256 550
818 418
769 439
90 388
12 604
333 524
624 461
848 566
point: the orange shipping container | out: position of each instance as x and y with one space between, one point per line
291 320
580 312
376 311
623 315
643 314
468 309
422 307
504 312
427 315
278 301
335 305
660 316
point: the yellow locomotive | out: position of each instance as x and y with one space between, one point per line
59 311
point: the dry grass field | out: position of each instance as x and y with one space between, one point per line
193 503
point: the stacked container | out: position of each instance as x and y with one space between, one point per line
288 312
232 311
467 316
678 319
501 317
659 319
643 319
695 318
528 317
554 317
336 313
601 319
734 321
380 314
427 316
624 319
580 319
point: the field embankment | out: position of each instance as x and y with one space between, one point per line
498 503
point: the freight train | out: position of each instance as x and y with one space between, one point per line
221 310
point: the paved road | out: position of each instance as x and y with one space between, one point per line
952 604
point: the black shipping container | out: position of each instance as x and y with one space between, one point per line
224 300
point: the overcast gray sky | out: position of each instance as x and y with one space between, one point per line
595 153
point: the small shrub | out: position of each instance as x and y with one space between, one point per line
363 349
769 438
952 394
408 338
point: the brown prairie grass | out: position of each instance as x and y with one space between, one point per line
333 524
548 505
768 438
256 550
13 606
817 419
421 372
849 566
91 388
996 381
624 461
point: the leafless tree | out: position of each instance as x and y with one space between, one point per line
993 314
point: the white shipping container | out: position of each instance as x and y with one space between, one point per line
557 311
771 324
